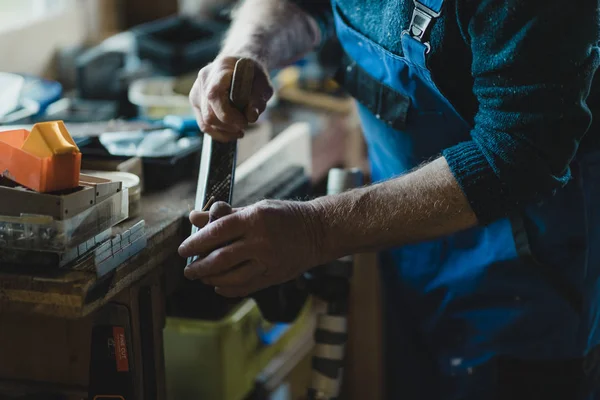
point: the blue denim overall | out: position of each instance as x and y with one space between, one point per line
525 287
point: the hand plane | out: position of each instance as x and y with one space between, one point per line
279 303
218 159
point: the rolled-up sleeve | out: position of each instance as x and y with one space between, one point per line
533 65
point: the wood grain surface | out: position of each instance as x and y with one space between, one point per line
75 294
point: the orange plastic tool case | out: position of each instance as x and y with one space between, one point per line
45 159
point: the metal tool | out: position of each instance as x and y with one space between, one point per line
217 165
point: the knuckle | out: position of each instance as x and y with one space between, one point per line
213 93
261 208
227 62
265 208
255 217
261 214
211 119
215 229
204 127
203 73
267 203
226 117
194 98
225 77
222 258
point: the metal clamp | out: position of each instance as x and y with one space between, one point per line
421 20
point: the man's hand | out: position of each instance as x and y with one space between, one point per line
252 248
209 98
275 241
272 33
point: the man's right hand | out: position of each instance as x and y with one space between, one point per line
209 98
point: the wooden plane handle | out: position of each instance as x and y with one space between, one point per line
241 83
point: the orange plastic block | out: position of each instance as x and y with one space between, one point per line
45 159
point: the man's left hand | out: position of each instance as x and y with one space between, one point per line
254 247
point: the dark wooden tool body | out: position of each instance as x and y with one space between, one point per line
280 303
217 165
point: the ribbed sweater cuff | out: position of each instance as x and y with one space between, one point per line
478 181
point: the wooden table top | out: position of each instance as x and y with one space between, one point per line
73 294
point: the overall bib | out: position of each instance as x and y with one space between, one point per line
466 313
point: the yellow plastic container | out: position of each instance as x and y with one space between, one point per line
220 360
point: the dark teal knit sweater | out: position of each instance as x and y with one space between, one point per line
519 70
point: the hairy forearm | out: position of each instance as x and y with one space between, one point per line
273 32
418 206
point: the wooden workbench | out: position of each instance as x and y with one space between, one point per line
46 317
76 294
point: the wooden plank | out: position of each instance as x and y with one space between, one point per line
363 375
47 353
20 388
45 349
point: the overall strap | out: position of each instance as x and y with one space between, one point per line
424 13
433 6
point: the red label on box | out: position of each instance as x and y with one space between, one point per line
120 349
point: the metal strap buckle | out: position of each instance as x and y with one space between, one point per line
421 19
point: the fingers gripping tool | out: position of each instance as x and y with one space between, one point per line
218 159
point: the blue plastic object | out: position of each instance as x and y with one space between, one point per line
183 125
40 92
270 336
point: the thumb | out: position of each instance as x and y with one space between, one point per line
201 218
219 210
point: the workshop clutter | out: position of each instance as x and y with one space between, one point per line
51 215
45 159
27 98
127 96
131 182
157 97
178 45
114 140
168 154
11 85
221 359
226 349
139 76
